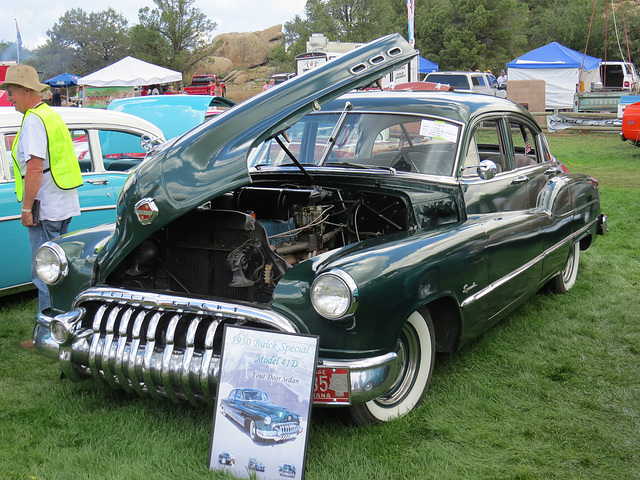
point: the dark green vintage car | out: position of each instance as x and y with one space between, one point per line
391 224
252 409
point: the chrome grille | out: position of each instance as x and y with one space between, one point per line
287 429
159 345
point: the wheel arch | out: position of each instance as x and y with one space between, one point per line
447 323
585 242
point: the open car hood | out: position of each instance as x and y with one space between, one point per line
212 158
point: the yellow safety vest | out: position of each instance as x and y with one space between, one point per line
63 162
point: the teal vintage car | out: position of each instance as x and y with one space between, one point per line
390 224
106 143
173 114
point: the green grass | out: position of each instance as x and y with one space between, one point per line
552 392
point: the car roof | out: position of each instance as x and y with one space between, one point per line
98 118
457 106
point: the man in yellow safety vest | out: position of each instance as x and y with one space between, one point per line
46 169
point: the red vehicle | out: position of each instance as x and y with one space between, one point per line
204 85
631 124
4 102
419 87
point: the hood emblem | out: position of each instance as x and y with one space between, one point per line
146 211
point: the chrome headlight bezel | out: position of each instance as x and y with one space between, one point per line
51 262
334 295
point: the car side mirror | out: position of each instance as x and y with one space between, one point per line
487 169
148 142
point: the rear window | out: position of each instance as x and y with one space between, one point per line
456 81
205 79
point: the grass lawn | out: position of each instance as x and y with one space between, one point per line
552 392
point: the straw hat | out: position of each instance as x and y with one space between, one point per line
25 76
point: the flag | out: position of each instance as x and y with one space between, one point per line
18 40
410 20
527 146
18 36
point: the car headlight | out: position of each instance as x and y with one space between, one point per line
334 294
51 263
267 420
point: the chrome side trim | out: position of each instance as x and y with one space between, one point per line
493 286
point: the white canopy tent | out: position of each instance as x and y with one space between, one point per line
130 72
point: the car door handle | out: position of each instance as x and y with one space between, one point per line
553 171
98 181
521 179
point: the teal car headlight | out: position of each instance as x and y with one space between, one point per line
334 295
267 420
51 263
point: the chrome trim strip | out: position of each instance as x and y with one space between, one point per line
166 369
207 361
95 343
108 342
121 359
576 236
186 362
133 365
200 306
150 361
9 218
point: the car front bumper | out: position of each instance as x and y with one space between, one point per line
132 341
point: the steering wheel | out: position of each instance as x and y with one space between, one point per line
403 160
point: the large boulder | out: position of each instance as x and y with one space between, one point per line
272 37
219 66
245 50
248 50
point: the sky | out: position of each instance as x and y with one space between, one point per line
35 17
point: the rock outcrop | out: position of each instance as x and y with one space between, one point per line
248 50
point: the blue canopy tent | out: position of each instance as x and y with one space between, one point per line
62 80
560 67
426 66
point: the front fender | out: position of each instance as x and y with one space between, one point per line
396 276
81 248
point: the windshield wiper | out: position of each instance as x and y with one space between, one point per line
293 158
334 134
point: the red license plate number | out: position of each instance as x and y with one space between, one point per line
332 385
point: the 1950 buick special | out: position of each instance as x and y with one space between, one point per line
391 224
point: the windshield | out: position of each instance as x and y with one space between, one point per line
255 396
407 143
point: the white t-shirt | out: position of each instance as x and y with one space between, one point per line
55 204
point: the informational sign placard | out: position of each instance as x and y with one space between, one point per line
263 403
101 97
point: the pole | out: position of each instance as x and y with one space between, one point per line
413 70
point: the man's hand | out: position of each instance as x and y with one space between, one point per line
27 219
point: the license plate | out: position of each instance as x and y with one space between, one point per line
332 385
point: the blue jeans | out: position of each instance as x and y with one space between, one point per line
44 231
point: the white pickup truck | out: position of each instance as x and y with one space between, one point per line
616 80
472 82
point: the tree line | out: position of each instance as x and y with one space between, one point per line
456 34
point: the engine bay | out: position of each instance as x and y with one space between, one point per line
237 246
